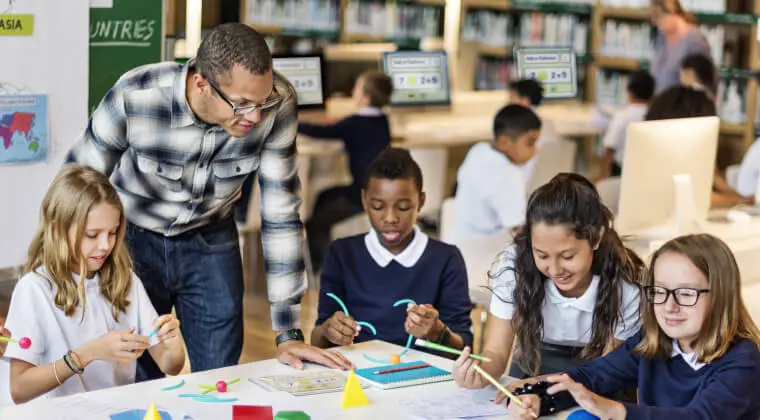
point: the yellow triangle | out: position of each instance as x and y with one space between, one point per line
353 394
152 413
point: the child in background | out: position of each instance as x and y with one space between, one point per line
640 91
698 72
529 93
80 299
696 357
687 102
746 183
364 135
568 261
394 261
490 196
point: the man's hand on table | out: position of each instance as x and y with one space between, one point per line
294 353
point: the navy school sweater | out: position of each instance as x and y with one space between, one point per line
669 389
438 278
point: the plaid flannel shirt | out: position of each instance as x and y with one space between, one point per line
175 173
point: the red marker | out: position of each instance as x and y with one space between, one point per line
402 369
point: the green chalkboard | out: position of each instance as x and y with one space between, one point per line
123 36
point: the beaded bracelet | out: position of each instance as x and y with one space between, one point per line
71 364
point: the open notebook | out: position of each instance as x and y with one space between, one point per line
412 377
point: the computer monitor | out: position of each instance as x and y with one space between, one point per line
420 78
667 177
306 74
554 67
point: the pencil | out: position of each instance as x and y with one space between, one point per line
433 346
401 369
500 387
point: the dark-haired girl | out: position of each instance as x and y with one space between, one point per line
567 290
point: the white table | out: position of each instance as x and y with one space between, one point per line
98 404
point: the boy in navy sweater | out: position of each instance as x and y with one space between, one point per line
696 357
394 261
364 135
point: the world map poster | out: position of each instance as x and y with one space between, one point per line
23 128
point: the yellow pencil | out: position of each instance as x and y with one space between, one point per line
500 387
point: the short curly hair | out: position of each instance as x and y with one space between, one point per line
230 44
392 164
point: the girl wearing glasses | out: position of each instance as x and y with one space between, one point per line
696 357
566 292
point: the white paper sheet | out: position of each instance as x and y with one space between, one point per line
458 404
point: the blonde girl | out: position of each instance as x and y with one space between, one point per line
697 356
86 313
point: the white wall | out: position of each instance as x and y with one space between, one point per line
53 61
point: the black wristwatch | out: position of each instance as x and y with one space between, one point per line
294 334
443 338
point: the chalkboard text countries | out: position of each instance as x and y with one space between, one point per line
127 33
14 25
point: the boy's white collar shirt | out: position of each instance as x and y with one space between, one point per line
407 258
370 111
490 196
614 137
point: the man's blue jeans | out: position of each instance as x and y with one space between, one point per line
200 274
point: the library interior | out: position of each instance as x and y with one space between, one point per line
410 209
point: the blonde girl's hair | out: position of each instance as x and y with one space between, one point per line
675 7
727 317
72 195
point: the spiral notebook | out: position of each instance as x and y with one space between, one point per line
426 375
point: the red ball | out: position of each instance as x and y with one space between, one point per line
221 386
25 343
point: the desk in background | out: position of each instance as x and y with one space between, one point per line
383 403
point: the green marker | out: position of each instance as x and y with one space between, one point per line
433 346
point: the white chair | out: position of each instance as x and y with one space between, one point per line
479 254
751 298
554 157
447 220
433 164
609 192
732 175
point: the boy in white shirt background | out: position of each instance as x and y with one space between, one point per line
529 93
490 194
640 89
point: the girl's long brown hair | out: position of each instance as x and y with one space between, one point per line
72 195
572 201
727 318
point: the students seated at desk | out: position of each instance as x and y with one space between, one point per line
687 102
490 195
567 290
394 261
699 72
529 93
640 90
364 135
86 312
696 357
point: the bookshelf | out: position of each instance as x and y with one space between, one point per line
738 25
482 44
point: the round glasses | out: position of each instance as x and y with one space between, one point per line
683 296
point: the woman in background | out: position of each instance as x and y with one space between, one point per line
679 37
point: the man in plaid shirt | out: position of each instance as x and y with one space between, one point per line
178 142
